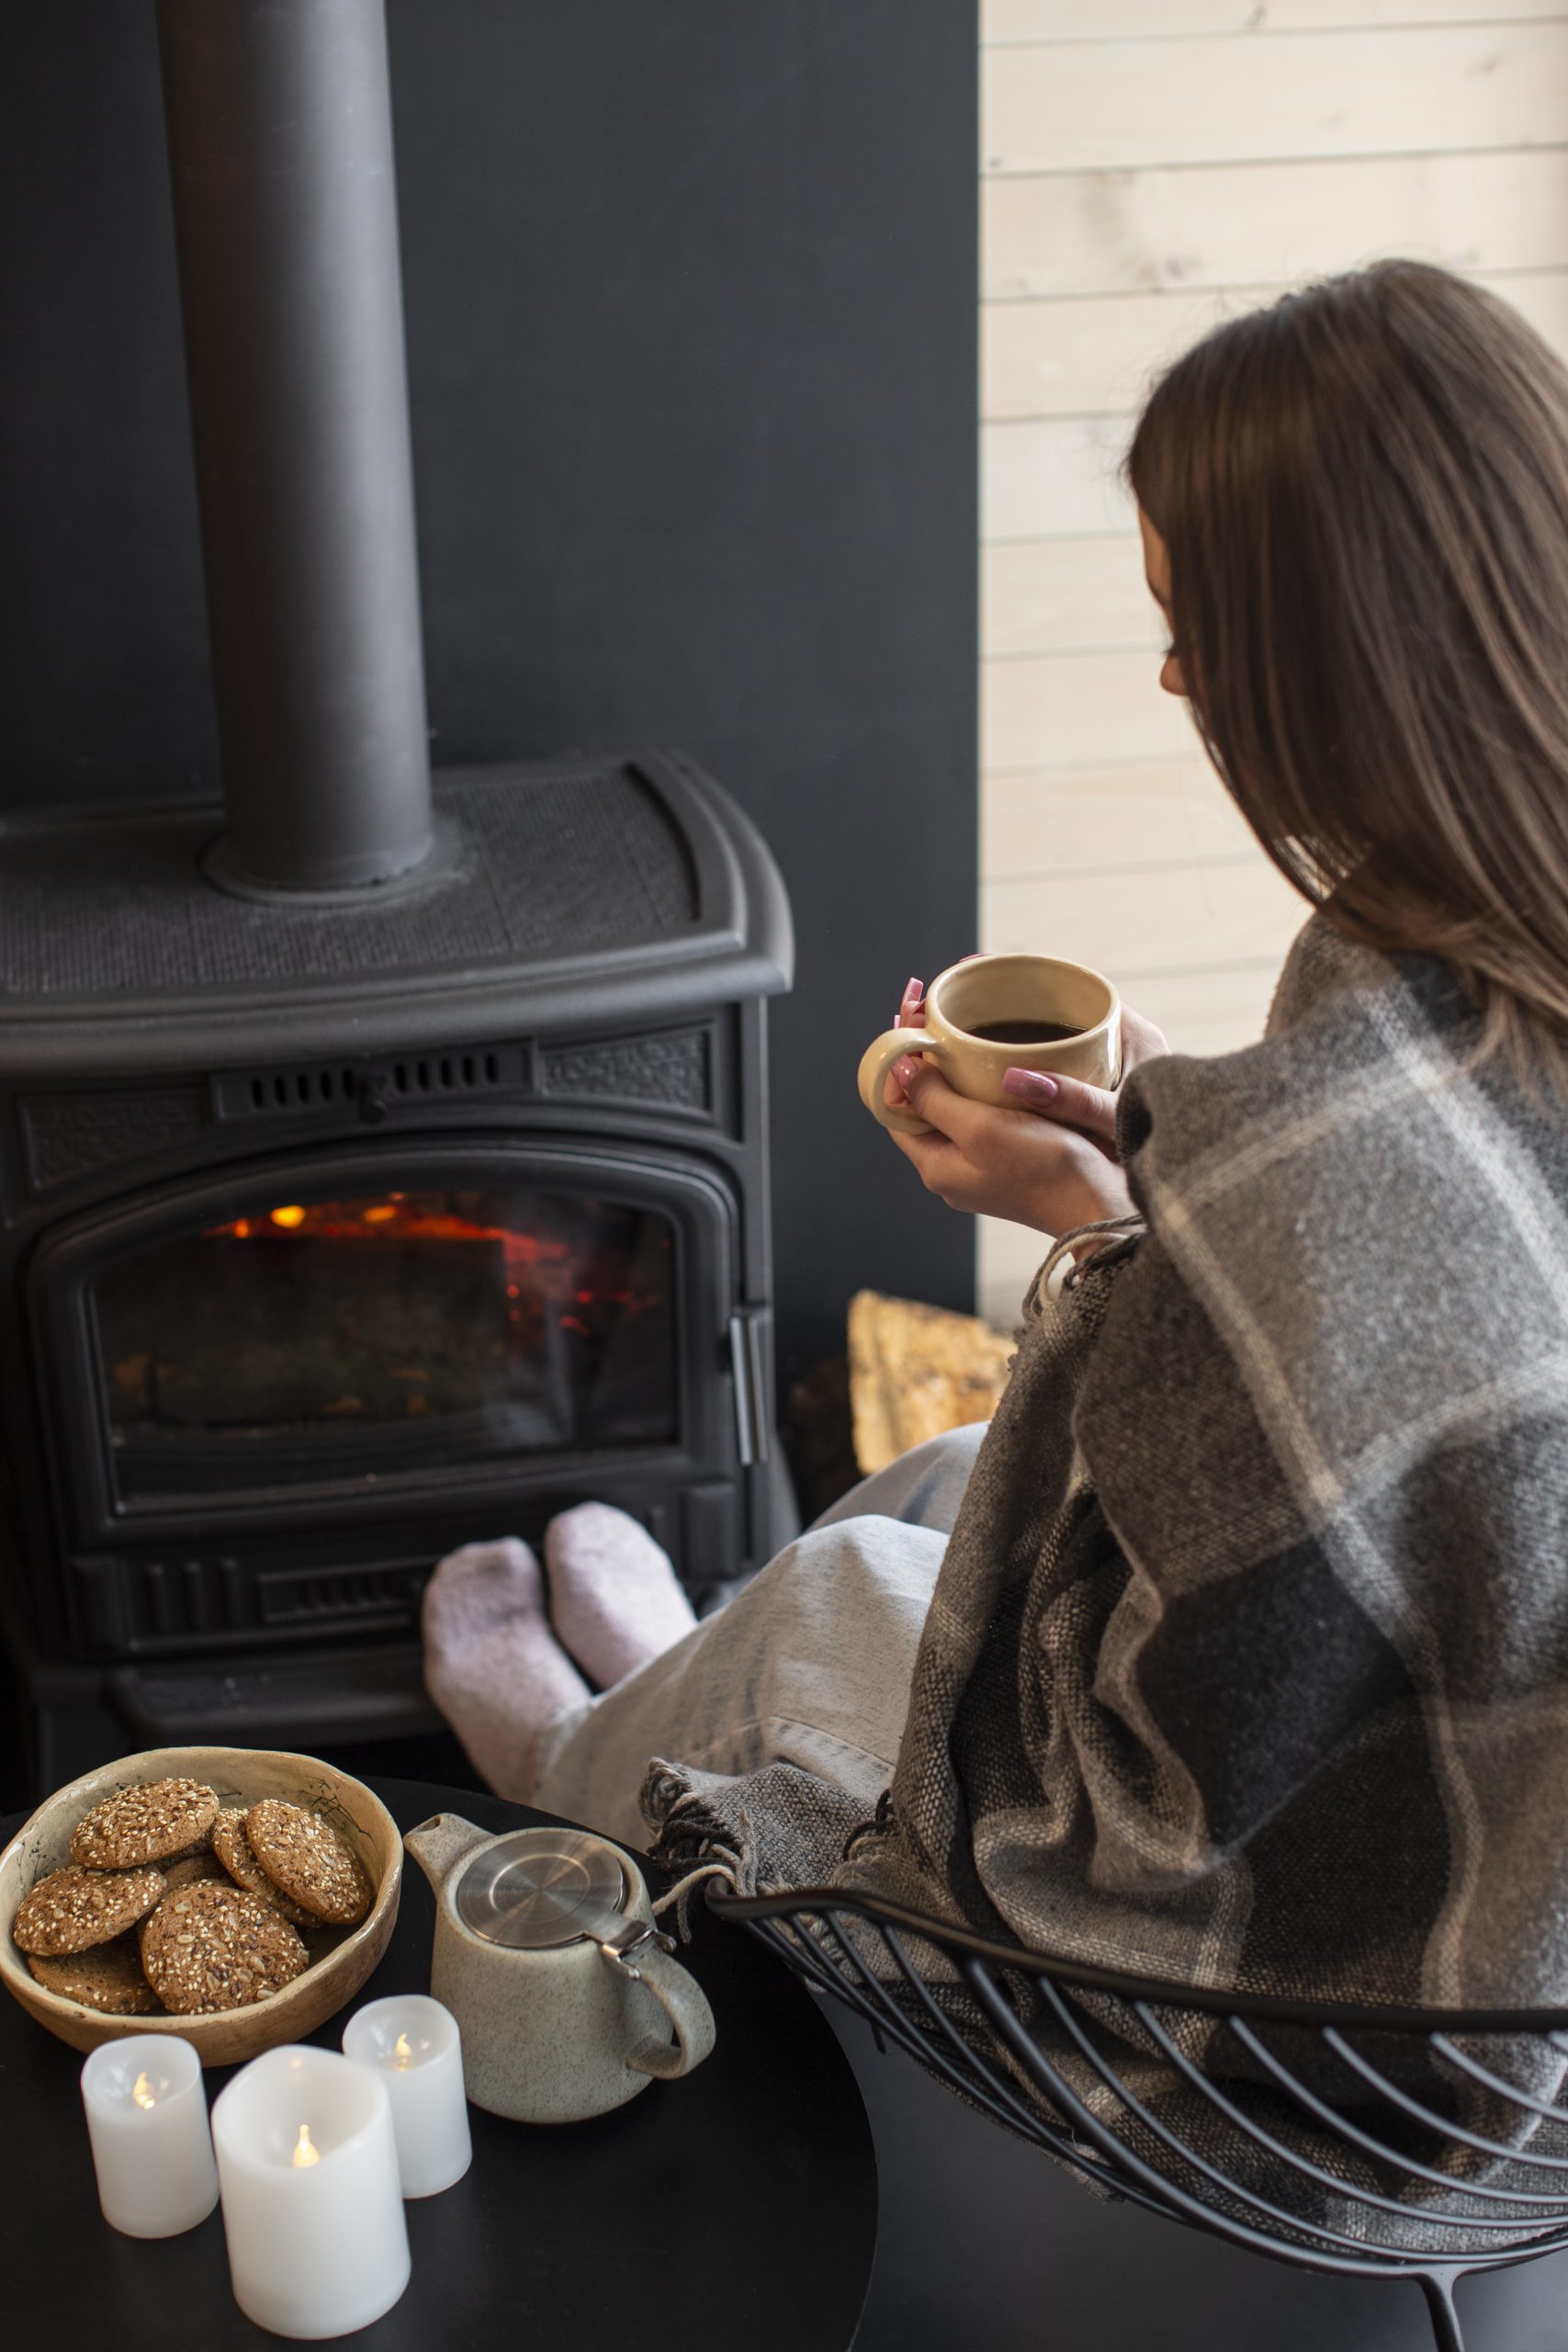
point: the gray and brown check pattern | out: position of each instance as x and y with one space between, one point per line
1249 1661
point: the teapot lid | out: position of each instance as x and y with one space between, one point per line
540 1887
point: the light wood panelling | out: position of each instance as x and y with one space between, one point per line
1071 356
1157 165
1228 224
1061 358
1065 597
1321 16
1213 1012
1147 920
1055 479
1008 1258
1059 710
1059 108
1039 20
1159 812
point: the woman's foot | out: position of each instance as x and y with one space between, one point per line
614 1600
491 1664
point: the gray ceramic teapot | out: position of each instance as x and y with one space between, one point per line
547 1954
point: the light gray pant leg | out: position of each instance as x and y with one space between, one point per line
810 1664
924 1487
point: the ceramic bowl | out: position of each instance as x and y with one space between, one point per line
341 1958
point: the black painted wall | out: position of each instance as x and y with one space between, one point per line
691 293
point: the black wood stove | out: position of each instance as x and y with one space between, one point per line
384 1167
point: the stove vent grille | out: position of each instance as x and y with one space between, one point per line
373 1087
390 1591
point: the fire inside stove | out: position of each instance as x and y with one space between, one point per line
455 1325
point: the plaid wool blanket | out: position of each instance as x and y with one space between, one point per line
1247 1665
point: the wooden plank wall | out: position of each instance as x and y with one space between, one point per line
1149 166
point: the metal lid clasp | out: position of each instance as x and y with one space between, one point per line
634 1937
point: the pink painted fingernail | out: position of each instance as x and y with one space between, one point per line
906 1068
1029 1085
914 989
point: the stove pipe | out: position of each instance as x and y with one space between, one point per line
280 147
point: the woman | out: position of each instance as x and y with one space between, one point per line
1239 1650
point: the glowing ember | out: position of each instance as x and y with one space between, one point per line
143 2093
541 1267
305 2150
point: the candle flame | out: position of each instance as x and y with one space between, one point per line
402 2056
305 2149
142 2092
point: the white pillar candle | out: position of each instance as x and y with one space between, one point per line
414 2043
152 2147
312 2208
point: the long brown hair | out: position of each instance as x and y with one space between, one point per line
1363 491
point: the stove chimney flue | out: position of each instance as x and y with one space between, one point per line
280 145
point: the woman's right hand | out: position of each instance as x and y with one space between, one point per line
1054 1168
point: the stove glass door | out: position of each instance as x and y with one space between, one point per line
372 1333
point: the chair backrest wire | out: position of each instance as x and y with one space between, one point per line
1089 2062
1334 2121
1448 2126
1468 2063
963 2067
1273 2146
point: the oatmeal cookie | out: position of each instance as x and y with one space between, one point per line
107 1978
74 1910
143 1824
232 1849
214 1947
304 1855
189 1870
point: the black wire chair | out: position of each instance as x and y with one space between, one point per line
1333 2137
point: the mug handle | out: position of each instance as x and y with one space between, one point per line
679 1995
877 1060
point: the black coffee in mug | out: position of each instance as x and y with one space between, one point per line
991 1013
1020 1033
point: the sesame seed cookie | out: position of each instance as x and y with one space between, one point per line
232 1849
74 1910
214 1947
108 1978
305 1855
189 1870
144 1824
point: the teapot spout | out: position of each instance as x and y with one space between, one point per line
440 1842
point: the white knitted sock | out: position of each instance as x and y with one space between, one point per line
615 1598
491 1664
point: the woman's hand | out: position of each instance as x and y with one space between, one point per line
1051 1163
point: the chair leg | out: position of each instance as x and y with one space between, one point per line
1438 2289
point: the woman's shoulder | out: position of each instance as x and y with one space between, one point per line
1352 1295
1356 1188
1350 1032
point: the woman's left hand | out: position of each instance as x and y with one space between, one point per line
1046 1166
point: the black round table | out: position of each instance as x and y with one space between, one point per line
736 2207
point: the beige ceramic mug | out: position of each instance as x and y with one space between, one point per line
1020 990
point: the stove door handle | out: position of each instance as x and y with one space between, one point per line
747 1366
